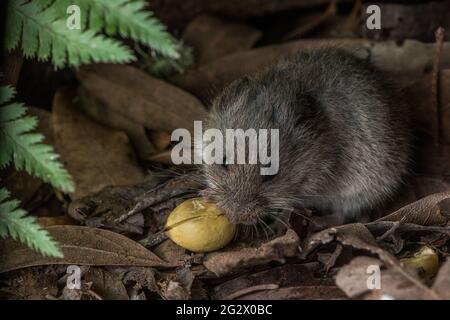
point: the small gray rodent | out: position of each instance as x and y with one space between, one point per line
344 137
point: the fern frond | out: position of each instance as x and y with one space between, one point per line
15 224
6 94
26 150
43 35
127 18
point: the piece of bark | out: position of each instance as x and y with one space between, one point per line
95 156
236 259
178 13
408 61
145 100
409 21
213 37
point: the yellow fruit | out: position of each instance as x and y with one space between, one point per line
425 261
199 226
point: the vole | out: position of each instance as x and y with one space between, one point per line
343 138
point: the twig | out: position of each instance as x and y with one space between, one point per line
389 232
154 239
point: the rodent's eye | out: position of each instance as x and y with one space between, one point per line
224 163
266 178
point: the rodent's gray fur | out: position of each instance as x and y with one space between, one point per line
344 138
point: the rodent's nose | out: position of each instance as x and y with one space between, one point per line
240 217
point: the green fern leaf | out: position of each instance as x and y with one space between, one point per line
127 18
26 150
15 224
6 94
43 35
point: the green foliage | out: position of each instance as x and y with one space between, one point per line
40 27
26 151
24 148
15 223
127 18
43 35
165 67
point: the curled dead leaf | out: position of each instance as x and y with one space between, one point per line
81 246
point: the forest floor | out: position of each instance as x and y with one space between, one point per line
111 125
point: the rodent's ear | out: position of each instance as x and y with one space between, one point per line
232 93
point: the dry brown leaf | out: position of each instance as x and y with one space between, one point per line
31 284
426 211
161 140
407 60
101 209
410 21
283 282
104 115
226 262
171 252
177 286
106 284
143 277
95 156
145 100
81 246
357 236
188 9
356 279
305 24
213 37
55 221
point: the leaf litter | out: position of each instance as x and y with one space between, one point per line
126 117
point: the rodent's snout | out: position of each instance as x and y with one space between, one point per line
238 212
247 215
